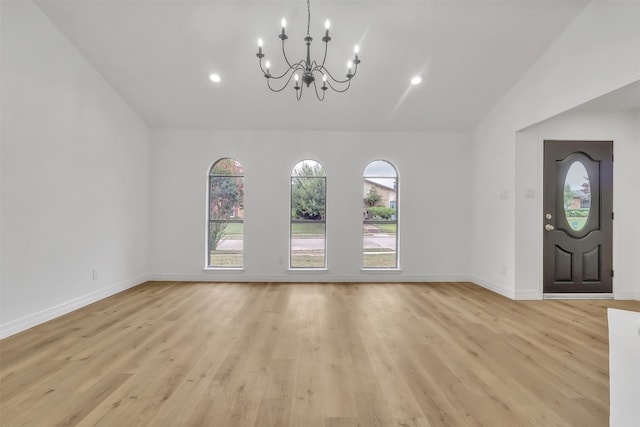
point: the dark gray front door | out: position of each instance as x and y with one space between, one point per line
578 216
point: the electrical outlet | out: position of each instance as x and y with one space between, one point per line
94 275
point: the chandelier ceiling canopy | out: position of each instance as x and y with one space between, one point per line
307 72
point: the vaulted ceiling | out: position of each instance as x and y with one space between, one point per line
158 56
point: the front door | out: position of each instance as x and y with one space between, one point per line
578 216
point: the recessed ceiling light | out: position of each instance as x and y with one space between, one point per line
416 80
214 78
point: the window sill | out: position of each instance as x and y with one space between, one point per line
307 270
381 270
223 269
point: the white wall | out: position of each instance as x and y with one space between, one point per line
619 127
598 53
624 369
637 207
433 201
75 187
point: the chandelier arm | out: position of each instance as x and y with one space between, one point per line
283 87
355 70
260 64
324 70
292 68
348 83
295 67
315 86
326 48
299 93
285 55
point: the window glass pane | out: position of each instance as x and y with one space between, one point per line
226 197
308 207
380 215
380 168
227 167
577 196
226 214
308 198
308 168
308 244
226 244
380 246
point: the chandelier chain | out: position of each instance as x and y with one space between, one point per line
308 16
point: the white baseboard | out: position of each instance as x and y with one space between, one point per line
627 295
31 320
568 295
499 289
528 295
382 276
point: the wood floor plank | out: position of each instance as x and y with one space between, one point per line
312 354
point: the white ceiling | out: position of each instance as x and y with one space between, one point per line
158 55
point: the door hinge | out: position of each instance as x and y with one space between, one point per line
612 157
612 273
613 215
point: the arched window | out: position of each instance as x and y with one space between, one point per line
380 216
308 207
226 214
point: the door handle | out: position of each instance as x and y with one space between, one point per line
549 227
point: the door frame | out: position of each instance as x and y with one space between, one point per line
527 206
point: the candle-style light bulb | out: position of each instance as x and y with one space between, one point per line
283 23
327 25
268 65
356 49
259 46
324 77
295 76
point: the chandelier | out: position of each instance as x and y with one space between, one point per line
305 71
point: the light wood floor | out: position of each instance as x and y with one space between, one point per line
196 354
